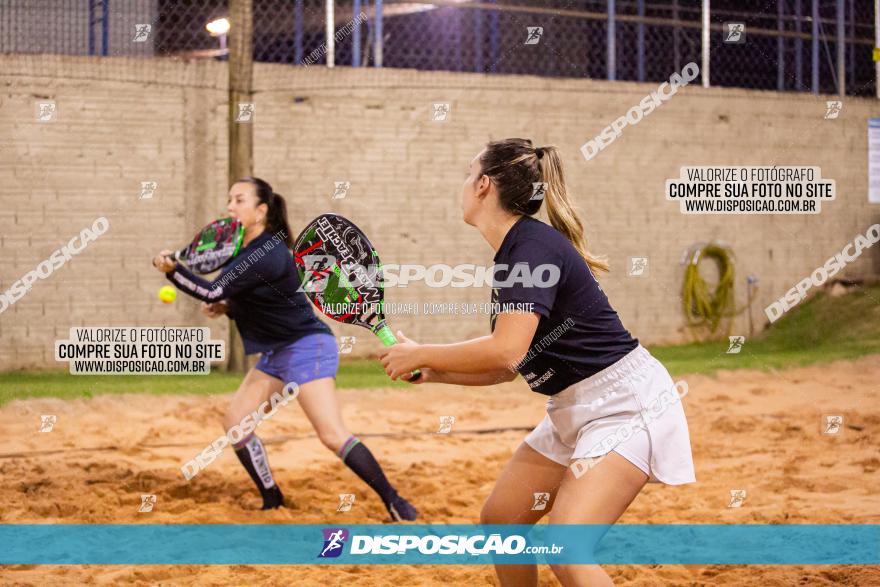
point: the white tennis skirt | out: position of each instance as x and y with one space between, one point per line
633 408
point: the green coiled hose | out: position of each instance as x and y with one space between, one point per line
704 307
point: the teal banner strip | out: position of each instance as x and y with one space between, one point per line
291 544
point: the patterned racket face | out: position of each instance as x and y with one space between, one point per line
340 271
213 246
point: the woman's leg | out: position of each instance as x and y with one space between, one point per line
256 388
528 472
319 402
598 497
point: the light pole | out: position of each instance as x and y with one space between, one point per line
219 28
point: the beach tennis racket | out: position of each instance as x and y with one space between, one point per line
213 246
341 274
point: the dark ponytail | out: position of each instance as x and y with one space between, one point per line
276 217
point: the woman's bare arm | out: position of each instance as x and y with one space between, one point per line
475 379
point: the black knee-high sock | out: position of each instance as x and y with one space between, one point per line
359 459
252 454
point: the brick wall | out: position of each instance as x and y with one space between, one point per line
164 123
124 121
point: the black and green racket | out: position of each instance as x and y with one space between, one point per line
341 273
213 246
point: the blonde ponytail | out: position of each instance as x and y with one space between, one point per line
515 165
560 211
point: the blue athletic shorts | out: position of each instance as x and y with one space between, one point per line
313 356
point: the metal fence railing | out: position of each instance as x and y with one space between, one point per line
785 45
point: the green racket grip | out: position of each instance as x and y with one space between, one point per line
387 337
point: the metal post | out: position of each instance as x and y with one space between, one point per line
851 63
457 26
493 39
612 49
705 43
841 48
798 48
368 44
91 27
478 41
676 58
640 40
105 25
780 47
356 34
377 55
298 31
815 56
329 33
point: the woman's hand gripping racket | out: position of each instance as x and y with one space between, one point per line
341 273
213 246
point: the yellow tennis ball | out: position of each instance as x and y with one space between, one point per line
167 294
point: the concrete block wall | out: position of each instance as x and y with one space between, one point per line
109 135
374 129
122 121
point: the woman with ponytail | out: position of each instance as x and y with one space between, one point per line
261 294
602 439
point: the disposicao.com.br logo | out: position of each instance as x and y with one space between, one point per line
334 542
439 544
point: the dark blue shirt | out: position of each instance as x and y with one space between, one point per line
260 285
579 333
